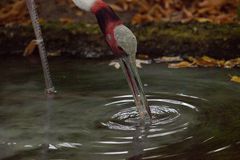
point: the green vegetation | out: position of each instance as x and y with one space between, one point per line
163 39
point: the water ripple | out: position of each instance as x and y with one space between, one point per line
168 117
181 125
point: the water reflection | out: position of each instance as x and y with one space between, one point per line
219 149
138 143
119 133
47 127
79 125
171 118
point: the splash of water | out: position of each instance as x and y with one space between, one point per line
135 84
41 46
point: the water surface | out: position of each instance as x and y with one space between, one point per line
195 113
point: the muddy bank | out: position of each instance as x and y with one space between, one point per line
86 41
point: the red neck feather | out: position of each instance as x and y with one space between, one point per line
99 4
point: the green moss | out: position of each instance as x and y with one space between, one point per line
79 27
163 39
189 31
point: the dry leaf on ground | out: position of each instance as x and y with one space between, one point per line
144 11
30 48
183 64
139 63
214 11
14 12
168 59
235 79
206 61
232 63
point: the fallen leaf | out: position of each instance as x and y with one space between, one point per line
66 20
206 61
214 11
14 12
143 11
54 54
116 8
143 56
30 48
168 59
235 79
79 13
139 63
232 63
183 64
115 64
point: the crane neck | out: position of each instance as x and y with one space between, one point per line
106 17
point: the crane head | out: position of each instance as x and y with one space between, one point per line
126 40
